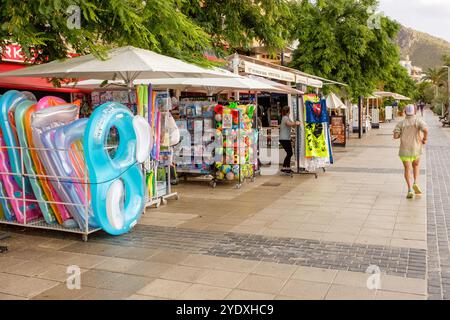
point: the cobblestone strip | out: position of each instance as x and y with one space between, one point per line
404 262
438 211
367 170
373 146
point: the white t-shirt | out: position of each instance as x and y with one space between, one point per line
410 130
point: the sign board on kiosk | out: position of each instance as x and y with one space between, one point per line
338 130
389 113
375 118
266 72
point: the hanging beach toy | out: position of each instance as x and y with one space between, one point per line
251 111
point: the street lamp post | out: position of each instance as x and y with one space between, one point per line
448 90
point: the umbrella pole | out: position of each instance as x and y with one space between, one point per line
130 87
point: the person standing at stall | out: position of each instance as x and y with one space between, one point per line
285 137
413 135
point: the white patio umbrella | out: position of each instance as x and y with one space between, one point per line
126 63
207 84
333 102
386 94
401 97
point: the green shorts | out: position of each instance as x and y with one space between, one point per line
409 159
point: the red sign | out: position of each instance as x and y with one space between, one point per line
13 52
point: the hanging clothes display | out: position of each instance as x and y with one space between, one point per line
316 112
316 145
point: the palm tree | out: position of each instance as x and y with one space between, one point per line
436 76
446 60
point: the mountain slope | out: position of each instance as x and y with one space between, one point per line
424 50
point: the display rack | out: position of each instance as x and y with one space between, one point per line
311 165
234 159
252 100
40 222
164 187
150 169
157 167
196 121
298 144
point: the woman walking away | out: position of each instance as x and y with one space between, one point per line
285 137
421 107
413 135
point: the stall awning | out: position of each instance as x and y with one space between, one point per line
19 83
253 66
281 87
387 94
263 71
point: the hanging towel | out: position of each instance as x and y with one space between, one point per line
316 145
316 112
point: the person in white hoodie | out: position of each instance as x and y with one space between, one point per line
413 135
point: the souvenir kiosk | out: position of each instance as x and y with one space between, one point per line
219 139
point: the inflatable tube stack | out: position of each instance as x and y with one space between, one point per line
56 167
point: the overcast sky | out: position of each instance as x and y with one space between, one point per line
430 16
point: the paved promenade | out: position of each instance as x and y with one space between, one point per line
276 238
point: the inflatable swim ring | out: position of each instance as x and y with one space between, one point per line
117 184
71 188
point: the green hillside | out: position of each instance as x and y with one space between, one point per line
424 50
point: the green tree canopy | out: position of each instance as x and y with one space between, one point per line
336 42
399 81
156 25
181 28
236 24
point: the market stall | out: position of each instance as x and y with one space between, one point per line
197 118
388 113
58 173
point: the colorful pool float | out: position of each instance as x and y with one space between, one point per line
41 122
46 209
17 187
71 188
8 103
59 210
117 184
67 162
